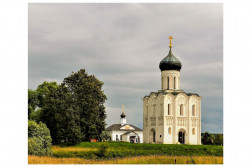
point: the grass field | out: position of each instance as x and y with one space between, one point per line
161 159
127 153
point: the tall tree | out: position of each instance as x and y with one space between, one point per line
89 100
60 116
43 90
73 111
32 102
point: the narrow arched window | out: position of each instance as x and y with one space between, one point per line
193 110
154 109
181 109
169 130
161 109
168 109
162 82
168 82
193 131
174 82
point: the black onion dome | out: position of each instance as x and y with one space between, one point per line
123 115
170 62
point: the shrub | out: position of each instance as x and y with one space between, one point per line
35 146
104 136
102 150
39 141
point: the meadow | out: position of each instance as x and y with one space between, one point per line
154 159
127 153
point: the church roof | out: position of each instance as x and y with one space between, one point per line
129 133
170 62
117 127
174 93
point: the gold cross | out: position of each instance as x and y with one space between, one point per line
122 108
170 38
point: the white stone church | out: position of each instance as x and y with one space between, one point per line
125 132
171 116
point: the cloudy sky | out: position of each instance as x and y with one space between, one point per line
122 44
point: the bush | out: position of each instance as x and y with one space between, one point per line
104 136
39 140
102 150
35 146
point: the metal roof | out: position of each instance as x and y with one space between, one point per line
170 62
116 127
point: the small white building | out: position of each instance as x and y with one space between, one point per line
125 132
171 116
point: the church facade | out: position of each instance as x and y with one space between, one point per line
171 116
125 132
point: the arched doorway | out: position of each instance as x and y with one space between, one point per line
181 136
152 136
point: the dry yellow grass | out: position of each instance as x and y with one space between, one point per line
161 159
70 149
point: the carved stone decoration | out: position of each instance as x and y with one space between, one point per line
182 121
169 120
168 99
194 121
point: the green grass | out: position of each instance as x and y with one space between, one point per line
122 149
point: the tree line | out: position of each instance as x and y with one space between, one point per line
73 111
211 139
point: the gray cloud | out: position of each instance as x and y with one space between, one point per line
122 44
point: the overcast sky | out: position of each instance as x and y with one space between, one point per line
122 44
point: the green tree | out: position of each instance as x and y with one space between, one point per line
218 139
36 99
39 140
60 116
36 115
32 102
207 139
43 90
89 100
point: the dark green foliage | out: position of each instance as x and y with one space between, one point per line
206 139
73 111
39 140
36 99
89 101
123 149
211 139
32 102
60 116
43 90
218 140
36 115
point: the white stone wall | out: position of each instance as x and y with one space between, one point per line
125 138
155 116
114 133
